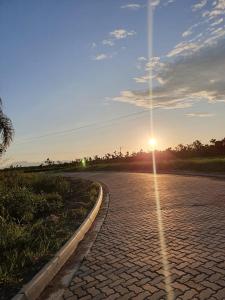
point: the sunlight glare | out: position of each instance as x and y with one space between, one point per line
152 142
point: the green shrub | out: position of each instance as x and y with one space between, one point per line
47 204
50 184
11 235
18 204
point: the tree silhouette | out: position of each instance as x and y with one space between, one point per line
6 130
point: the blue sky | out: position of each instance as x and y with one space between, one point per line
67 64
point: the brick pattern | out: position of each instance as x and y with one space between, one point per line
125 261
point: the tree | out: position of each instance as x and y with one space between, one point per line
180 148
6 130
213 141
49 162
197 145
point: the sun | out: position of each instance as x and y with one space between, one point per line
152 142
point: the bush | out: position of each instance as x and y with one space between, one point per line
11 234
50 184
47 204
17 204
38 214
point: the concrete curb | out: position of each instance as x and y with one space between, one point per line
33 289
56 288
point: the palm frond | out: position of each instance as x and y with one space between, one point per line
6 130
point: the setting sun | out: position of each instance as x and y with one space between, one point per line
152 142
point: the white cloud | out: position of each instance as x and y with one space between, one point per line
200 115
142 99
101 56
184 48
185 81
154 64
186 33
142 79
141 58
198 43
108 43
197 72
132 6
140 62
217 22
119 34
207 34
218 9
155 3
202 25
215 35
199 5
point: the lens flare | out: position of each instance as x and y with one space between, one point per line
83 163
152 142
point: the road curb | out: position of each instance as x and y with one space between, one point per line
34 288
56 288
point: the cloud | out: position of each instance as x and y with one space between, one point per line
217 22
155 3
93 45
200 115
132 6
218 9
108 43
154 64
112 38
141 61
193 71
185 81
141 58
200 42
186 33
101 56
142 99
119 34
184 48
199 5
142 79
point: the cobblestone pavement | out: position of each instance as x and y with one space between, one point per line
125 261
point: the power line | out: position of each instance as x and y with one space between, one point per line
62 132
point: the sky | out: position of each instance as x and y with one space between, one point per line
74 75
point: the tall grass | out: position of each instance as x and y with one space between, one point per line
38 214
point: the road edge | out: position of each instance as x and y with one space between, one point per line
33 289
57 287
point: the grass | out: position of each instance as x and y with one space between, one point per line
207 165
213 164
38 214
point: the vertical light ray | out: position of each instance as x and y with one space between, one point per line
163 248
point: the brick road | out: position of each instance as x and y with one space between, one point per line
125 261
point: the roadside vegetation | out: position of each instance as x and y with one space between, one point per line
196 157
38 214
6 131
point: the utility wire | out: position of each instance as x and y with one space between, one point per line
62 132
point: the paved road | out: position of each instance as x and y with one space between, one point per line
126 262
